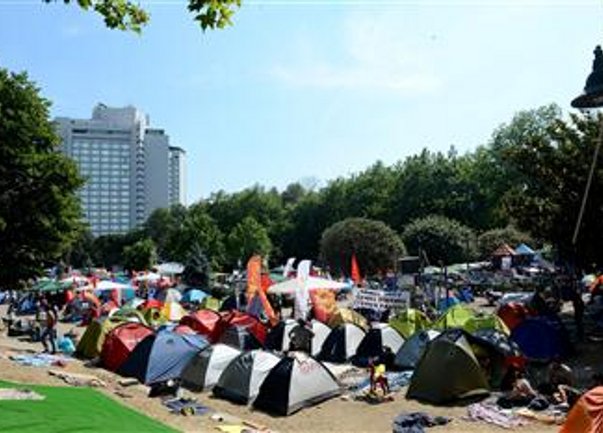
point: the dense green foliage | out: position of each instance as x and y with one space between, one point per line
490 240
440 239
197 269
129 15
140 256
39 210
247 239
376 246
530 175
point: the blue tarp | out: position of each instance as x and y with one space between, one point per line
524 250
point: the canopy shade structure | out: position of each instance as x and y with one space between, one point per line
289 287
106 285
151 276
171 268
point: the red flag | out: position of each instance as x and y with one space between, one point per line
355 270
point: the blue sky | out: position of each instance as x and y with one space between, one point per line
310 88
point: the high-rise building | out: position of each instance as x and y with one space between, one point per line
130 168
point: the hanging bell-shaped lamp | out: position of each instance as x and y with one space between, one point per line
593 90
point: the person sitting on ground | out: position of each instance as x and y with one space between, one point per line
377 376
561 383
521 393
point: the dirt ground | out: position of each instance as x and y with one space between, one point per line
335 415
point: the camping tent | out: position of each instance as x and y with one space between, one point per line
120 342
253 325
278 337
512 314
173 311
409 321
375 341
321 332
489 321
541 338
241 380
411 351
341 344
448 371
294 383
206 322
454 317
193 296
169 295
91 343
162 356
204 369
586 416
240 337
345 315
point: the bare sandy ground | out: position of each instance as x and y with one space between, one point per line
333 416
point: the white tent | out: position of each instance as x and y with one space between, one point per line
171 268
289 287
151 276
204 370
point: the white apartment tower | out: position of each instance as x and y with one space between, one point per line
129 167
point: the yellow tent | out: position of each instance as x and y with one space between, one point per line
454 317
490 321
345 315
173 311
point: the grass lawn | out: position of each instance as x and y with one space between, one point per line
67 409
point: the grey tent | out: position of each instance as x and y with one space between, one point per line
240 382
380 336
321 332
448 371
411 351
294 383
203 371
240 337
342 342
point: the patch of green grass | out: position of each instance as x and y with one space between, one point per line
66 410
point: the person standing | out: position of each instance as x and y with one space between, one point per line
49 331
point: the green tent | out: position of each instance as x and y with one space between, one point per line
410 321
91 343
489 321
448 371
46 285
454 317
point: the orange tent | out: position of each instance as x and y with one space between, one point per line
587 414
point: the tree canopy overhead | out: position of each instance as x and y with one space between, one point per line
131 16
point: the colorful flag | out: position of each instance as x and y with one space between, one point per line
355 270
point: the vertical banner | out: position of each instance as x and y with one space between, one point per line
302 298
288 267
254 277
255 292
356 277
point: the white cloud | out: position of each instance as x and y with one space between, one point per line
370 54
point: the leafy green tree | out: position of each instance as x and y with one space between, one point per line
376 246
248 238
129 15
163 227
197 227
39 209
80 253
442 239
488 241
140 256
197 269
552 161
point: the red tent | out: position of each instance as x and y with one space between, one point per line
587 414
255 327
120 342
205 322
513 314
152 303
183 329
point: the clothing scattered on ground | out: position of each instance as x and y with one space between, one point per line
38 360
492 414
416 422
185 406
77 379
